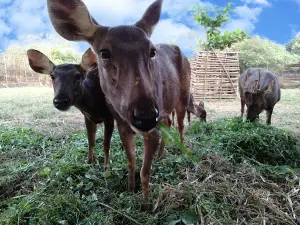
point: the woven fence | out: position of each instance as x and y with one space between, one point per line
214 75
16 72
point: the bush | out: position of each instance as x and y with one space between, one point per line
260 52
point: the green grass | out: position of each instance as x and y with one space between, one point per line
47 180
239 173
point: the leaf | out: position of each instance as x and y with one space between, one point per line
88 176
190 217
174 222
45 172
89 186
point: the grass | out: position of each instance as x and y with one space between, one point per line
242 173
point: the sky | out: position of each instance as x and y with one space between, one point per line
23 22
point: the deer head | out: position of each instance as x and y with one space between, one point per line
125 58
66 78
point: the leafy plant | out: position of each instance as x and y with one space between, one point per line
215 39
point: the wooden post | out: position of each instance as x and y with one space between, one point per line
25 72
226 73
205 73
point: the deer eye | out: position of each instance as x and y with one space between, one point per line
152 53
105 54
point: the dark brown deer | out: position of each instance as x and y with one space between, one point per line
78 85
259 90
198 110
143 82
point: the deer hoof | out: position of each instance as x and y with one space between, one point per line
146 207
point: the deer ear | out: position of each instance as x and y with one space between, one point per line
150 18
39 62
72 20
270 87
88 59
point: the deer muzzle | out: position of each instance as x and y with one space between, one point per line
145 119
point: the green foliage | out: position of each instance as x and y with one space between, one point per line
213 24
47 180
294 45
260 52
253 141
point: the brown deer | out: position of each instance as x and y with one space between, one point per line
143 82
198 110
259 90
78 85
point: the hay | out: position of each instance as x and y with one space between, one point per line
223 193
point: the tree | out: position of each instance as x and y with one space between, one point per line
260 52
213 25
294 45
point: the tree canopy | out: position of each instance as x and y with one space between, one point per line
213 19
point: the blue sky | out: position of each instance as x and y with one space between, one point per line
25 22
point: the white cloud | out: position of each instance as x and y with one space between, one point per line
167 31
247 17
4 29
26 18
242 24
259 2
248 13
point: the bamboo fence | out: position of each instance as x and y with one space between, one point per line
214 75
16 72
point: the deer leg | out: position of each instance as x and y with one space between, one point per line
108 131
167 122
91 129
151 143
128 140
269 115
180 112
173 115
243 102
189 117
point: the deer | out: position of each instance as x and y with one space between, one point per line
78 85
259 90
142 82
198 110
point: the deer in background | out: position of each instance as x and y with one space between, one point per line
259 90
142 82
198 110
78 85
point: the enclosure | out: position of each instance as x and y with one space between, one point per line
45 178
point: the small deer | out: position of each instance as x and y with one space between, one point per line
143 82
198 110
259 90
78 85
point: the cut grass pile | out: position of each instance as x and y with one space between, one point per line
244 173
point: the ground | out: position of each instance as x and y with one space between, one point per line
247 173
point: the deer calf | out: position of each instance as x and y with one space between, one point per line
259 90
78 85
143 82
198 110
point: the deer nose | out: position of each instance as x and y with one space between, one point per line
62 104
145 119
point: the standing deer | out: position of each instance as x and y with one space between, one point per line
78 85
259 90
143 82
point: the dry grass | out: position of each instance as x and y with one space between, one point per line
32 108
